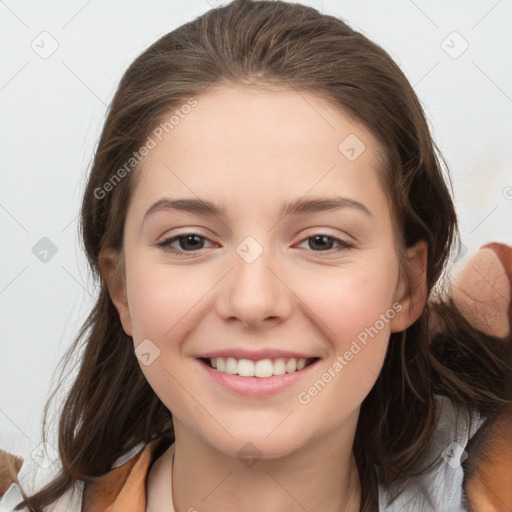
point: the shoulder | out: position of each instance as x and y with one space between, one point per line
440 487
122 489
29 474
106 490
444 487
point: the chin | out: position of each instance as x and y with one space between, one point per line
253 446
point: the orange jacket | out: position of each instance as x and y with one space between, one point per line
123 489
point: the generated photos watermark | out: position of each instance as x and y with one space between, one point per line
158 133
305 397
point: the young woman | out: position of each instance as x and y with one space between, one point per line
267 217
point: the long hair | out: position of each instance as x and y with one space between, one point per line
275 42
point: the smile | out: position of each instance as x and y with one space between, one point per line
259 378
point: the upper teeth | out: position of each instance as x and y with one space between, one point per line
261 368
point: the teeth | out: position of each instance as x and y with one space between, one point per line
231 366
291 366
262 368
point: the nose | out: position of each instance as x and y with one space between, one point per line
254 293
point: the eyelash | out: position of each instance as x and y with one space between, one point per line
165 244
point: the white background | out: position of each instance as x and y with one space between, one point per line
52 111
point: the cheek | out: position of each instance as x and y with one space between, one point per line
162 301
162 310
353 314
349 302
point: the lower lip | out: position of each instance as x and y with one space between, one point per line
256 386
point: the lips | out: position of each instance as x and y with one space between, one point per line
252 385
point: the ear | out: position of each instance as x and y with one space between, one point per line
111 265
411 290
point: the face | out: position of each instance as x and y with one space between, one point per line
255 283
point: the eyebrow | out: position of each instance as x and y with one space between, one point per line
297 207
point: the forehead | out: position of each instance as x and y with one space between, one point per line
241 142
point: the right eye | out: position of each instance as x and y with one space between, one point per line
192 240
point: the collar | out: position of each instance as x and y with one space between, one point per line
124 488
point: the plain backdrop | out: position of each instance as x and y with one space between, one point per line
61 62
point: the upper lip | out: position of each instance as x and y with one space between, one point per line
255 355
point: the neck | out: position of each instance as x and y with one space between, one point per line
320 475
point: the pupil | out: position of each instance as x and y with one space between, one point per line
320 237
188 239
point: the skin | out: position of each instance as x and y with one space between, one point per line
251 149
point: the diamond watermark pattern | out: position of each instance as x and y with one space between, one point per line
249 249
351 147
44 455
455 256
454 455
249 454
147 352
216 3
454 45
44 250
45 45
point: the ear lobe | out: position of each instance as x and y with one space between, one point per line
110 262
412 289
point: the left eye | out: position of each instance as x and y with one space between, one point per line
190 238
320 240
192 242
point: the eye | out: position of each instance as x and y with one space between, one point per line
189 241
192 242
321 240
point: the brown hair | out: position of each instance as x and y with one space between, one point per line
274 42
